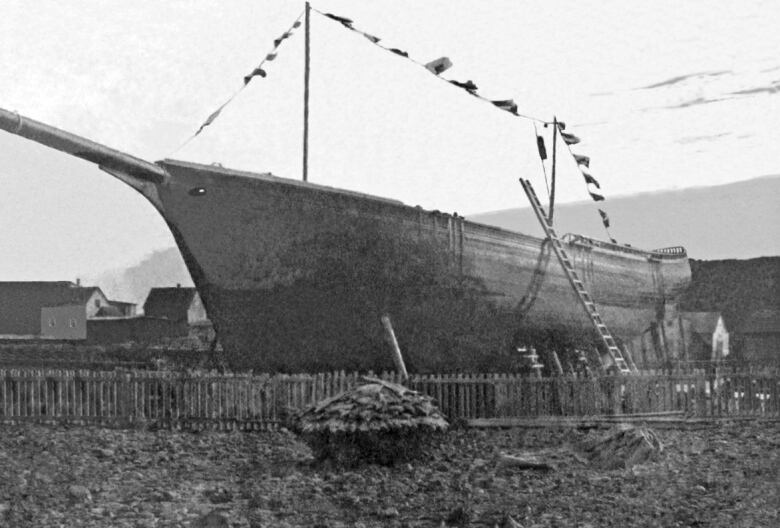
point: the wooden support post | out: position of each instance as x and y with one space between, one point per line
397 357
557 361
552 185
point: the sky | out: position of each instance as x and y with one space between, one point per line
664 95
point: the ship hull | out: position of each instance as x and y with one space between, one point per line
296 276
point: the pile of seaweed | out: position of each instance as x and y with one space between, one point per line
376 422
623 447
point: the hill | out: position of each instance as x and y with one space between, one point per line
734 221
736 288
160 268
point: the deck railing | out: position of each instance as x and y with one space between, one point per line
193 400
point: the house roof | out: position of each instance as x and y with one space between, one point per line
702 322
53 293
762 322
21 302
171 303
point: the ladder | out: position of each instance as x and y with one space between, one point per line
585 299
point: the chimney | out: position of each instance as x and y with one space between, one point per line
78 281
178 284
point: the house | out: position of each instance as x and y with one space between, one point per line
760 337
181 305
122 309
56 309
705 336
680 338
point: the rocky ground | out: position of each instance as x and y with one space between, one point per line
725 475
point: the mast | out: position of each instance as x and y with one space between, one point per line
307 60
552 186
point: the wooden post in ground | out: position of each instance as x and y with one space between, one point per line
557 362
397 357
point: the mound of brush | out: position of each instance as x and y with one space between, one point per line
375 422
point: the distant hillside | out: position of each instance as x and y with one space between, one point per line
161 268
736 288
738 220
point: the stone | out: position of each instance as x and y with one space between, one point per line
164 496
388 513
219 495
79 493
103 453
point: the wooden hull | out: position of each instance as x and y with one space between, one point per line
295 276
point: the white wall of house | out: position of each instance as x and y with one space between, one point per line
95 302
196 313
64 322
720 340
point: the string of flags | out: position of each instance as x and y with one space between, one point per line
258 71
583 164
436 67
442 64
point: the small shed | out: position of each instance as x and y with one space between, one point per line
181 305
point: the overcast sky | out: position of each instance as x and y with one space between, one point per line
664 94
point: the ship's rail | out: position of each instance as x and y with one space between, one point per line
669 253
673 250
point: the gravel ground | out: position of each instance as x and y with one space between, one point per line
721 475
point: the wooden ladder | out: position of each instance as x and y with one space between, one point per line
585 299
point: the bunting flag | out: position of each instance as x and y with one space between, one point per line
372 38
347 23
258 71
278 41
582 160
588 177
604 218
569 139
469 86
596 197
509 105
541 147
399 52
210 119
439 66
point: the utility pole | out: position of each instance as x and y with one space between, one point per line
306 67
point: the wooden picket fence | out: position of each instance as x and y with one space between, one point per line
249 402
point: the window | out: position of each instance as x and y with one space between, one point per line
72 323
97 303
52 322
